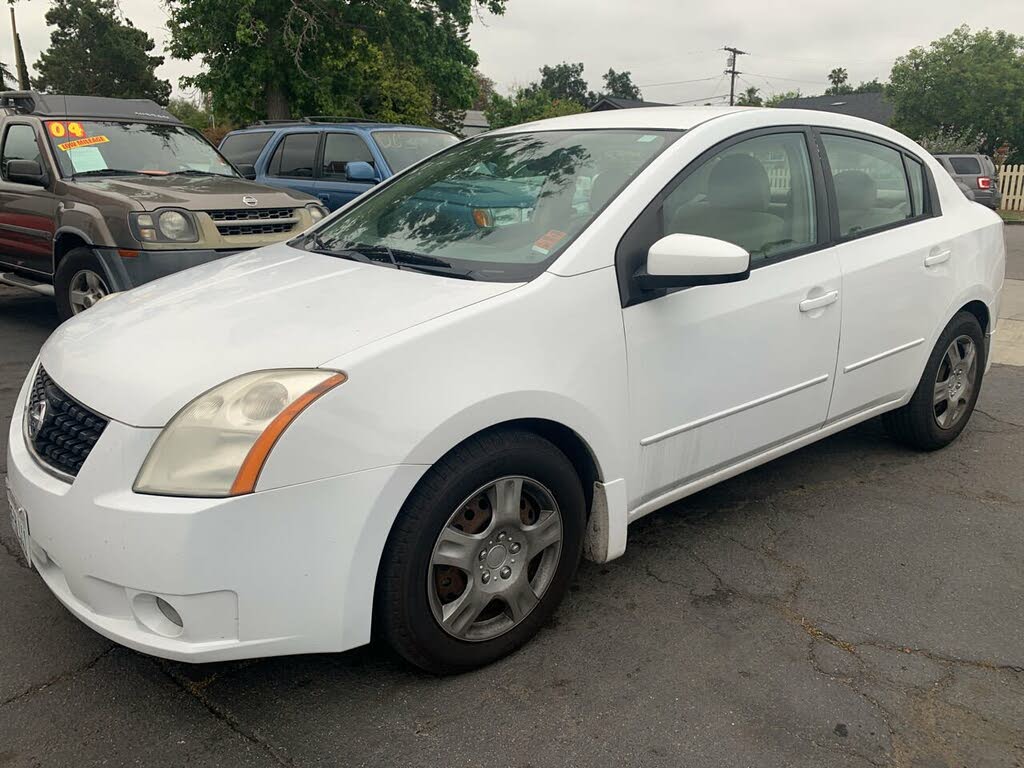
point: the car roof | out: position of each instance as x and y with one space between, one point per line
301 125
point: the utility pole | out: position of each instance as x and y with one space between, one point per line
19 57
733 53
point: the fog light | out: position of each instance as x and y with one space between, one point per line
169 613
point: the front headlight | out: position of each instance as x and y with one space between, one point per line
217 444
169 225
316 212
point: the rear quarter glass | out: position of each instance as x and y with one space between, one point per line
966 166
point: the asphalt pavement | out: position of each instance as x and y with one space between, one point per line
854 603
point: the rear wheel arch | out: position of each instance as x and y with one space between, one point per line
981 311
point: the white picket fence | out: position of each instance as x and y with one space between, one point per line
1011 184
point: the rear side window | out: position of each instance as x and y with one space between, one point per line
20 144
965 166
758 194
295 156
244 148
917 184
870 184
340 149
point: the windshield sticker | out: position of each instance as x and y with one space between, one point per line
547 242
59 129
86 159
88 142
646 138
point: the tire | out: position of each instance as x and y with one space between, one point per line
919 423
79 264
411 585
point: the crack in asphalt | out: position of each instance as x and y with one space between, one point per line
999 420
66 675
197 691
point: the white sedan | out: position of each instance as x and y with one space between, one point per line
417 417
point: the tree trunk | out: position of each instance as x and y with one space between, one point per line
278 107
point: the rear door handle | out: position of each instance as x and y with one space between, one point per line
937 257
809 305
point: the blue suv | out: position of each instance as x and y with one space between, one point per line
334 159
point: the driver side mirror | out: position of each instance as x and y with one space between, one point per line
682 261
25 172
248 170
357 170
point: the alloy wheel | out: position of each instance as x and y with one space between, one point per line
955 382
85 290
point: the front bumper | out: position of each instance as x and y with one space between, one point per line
127 272
289 570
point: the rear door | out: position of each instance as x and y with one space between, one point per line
340 149
27 212
293 161
897 256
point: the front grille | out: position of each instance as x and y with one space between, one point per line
254 221
61 430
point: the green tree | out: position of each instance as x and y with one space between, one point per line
95 51
777 98
838 78
870 86
564 82
405 60
620 84
526 104
189 113
6 75
750 98
968 82
484 90
946 140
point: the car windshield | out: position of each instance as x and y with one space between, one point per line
403 148
108 148
494 208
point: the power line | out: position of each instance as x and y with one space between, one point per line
733 53
828 60
677 82
702 98
790 79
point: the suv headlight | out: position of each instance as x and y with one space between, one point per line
167 225
217 444
316 211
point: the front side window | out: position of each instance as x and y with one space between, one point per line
20 144
495 208
244 148
340 149
295 156
870 184
757 194
403 148
110 148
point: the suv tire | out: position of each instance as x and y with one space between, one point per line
79 283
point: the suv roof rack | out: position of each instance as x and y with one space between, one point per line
102 107
314 120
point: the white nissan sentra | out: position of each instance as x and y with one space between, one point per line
417 417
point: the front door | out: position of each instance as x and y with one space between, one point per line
340 149
27 212
722 372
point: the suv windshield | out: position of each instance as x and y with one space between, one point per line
403 148
110 148
494 208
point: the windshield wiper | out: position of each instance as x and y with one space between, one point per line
194 172
106 172
321 247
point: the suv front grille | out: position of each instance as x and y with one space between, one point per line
254 221
61 430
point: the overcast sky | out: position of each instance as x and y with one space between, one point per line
792 45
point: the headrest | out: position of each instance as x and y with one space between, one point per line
739 181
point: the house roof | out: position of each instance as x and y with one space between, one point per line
614 102
870 106
475 118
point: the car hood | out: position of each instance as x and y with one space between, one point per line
140 356
195 192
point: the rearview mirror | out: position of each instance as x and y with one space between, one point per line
681 261
25 172
357 170
248 170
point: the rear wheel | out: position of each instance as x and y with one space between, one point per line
483 552
80 282
949 388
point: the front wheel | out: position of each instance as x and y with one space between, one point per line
483 552
80 283
945 397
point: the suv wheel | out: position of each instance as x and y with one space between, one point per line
482 552
80 282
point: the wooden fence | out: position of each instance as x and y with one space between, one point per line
1011 184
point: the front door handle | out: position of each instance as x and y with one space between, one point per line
809 305
937 257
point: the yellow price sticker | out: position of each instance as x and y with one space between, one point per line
87 142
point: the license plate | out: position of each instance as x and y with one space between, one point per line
19 522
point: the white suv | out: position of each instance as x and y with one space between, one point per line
419 414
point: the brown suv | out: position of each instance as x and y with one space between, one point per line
99 195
